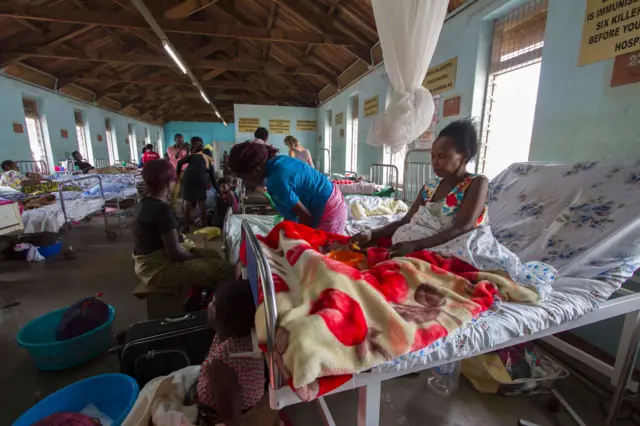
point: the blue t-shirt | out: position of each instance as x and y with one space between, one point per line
290 180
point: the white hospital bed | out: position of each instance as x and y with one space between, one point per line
581 296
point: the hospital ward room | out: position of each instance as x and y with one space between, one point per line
320 213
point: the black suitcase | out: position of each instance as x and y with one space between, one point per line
150 349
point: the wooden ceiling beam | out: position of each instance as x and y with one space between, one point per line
184 26
165 61
165 97
187 8
211 47
218 84
29 25
273 9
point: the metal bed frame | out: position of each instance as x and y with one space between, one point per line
369 384
416 173
33 166
385 175
101 162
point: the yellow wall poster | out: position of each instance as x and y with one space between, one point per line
280 127
339 119
306 125
248 125
611 28
371 106
442 77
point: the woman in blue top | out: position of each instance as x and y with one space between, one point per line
300 193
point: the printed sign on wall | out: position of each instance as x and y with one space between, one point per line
18 128
339 119
248 125
371 106
342 133
64 133
626 69
442 77
99 138
280 127
451 107
306 125
611 28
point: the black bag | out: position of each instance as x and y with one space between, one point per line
82 317
150 349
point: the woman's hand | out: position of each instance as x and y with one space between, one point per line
403 249
361 238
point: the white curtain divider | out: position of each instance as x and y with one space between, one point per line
408 31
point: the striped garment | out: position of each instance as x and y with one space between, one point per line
334 217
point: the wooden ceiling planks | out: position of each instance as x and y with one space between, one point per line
285 52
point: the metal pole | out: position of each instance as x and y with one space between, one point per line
625 376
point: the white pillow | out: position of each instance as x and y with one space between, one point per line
7 190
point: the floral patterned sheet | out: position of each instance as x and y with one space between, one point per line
580 218
336 321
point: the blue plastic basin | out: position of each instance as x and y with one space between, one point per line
38 337
113 394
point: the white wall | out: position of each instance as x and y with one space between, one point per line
57 113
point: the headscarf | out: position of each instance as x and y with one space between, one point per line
246 156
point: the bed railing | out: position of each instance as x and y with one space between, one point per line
416 173
350 174
385 175
33 166
259 273
101 162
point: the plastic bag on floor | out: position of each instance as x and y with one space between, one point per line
32 252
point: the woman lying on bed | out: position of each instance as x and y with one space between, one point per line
450 213
161 260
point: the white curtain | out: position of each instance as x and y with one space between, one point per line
408 31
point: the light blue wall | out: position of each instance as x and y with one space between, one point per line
265 113
209 132
578 115
376 83
56 113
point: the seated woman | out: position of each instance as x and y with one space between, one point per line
231 387
450 213
195 181
161 261
299 192
298 151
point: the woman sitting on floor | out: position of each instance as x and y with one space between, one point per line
195 181
298 151
450 214
299 192
161 261
231 389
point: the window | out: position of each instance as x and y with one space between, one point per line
513 87
111 146
83 147
352 138
327 144
34 132
133 143
147 139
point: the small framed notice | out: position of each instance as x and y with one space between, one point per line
339 119
451 107
99 138
64 133
371 106
342 133
626 69
280 127
306 125
18 128
248 125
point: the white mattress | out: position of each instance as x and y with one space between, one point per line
572 298
261 225
50 218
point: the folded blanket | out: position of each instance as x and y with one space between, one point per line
335 321
385 206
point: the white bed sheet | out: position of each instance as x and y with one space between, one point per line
261 225
50 218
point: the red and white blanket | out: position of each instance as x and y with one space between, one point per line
336 321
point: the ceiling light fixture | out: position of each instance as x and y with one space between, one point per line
174 55
204 96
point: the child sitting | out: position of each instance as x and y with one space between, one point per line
229 386
226 199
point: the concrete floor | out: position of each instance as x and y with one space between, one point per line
107 267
